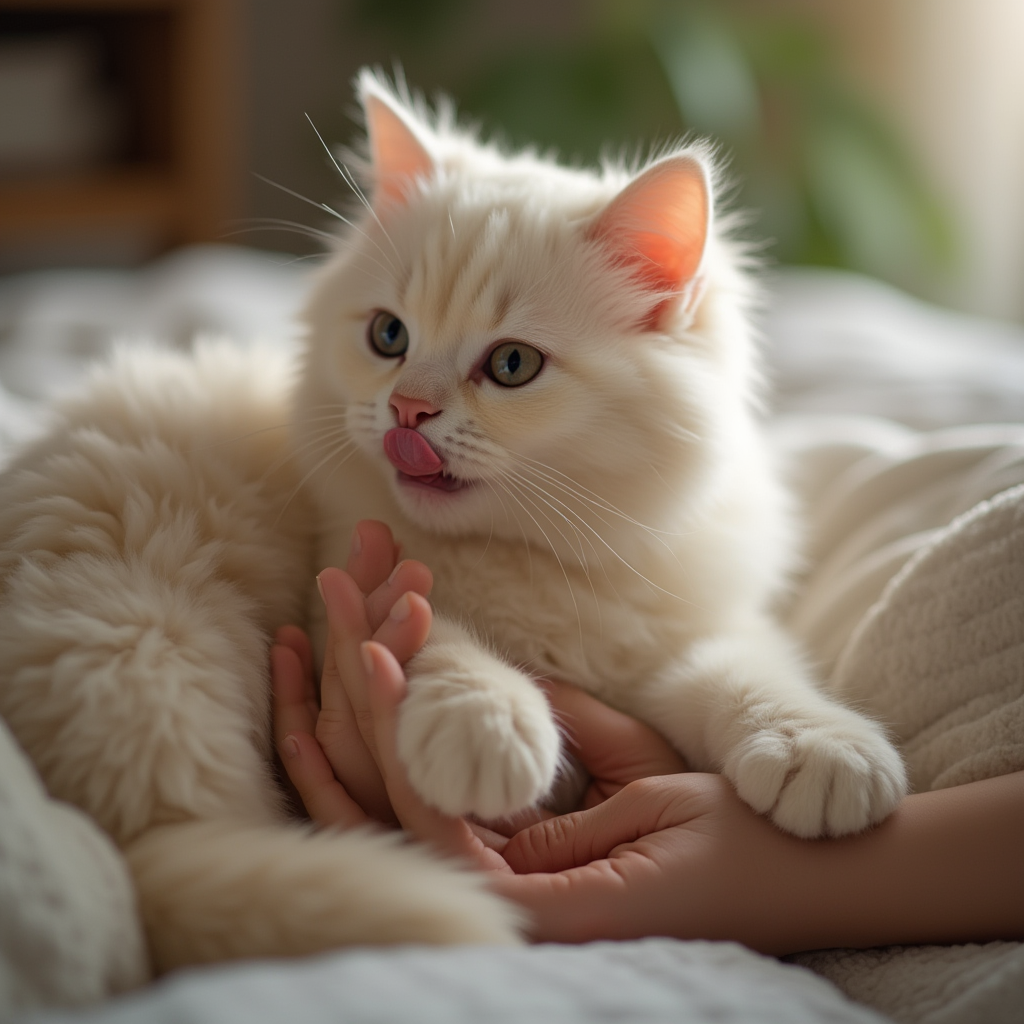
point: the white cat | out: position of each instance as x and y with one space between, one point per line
544 380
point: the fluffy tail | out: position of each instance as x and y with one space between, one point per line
216 890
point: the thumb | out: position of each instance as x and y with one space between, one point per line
572 840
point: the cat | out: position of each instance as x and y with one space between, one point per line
545 380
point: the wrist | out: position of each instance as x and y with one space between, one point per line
944 867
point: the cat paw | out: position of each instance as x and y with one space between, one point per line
487 750
819 778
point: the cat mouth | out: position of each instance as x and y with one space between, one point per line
435 482
417 463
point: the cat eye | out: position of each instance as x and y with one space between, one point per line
388 335
513 363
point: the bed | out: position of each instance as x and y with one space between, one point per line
902 427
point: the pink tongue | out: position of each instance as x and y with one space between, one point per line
410 452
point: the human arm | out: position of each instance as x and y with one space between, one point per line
682 855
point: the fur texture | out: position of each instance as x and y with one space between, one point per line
612 520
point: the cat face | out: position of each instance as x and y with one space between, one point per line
517 347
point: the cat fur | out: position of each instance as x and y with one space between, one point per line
625 531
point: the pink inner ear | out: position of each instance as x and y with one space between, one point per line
659 223
398 156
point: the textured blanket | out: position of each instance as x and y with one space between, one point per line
915 607
912 602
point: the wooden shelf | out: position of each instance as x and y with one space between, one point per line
177 70
149 199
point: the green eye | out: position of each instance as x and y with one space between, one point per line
514 363
388 335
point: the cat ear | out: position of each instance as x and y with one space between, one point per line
659 224
398 154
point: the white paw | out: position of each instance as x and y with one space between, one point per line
826 776
474 747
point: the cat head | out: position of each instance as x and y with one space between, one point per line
520 348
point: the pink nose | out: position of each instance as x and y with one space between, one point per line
411 411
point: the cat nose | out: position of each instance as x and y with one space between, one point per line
411 411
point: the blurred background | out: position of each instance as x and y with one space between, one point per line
883 136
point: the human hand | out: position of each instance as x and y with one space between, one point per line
317 736
614 748
678 855
666 855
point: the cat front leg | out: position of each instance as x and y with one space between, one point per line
476 734
743 704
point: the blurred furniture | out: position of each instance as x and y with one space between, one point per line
164 167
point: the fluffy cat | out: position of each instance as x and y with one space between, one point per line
544 380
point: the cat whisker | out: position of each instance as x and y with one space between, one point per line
554 551
523 482
325 417
585 494
526 540
306 447
334 213
341 243
581 554
349 179
626 563
657 535
299 259
551 501
325 435
278 224
583 498
490 536
343 449
241 437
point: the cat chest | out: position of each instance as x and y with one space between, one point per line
601 635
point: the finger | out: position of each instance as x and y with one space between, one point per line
615 748
372 555
325 799
297 640
386 686
514 823
572 906
572 840
292 709
406 627
295 722
496 841
346 618
406 576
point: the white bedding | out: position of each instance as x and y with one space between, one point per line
837 344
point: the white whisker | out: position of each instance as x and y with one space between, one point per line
334 213
584 493
526 540
333 453
597 534
568 582
350 180
581 554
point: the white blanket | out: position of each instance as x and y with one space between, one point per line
914 607
871 606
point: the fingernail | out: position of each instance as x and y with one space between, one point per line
291 746
357 545
401 609
364 650
394 572
320 587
